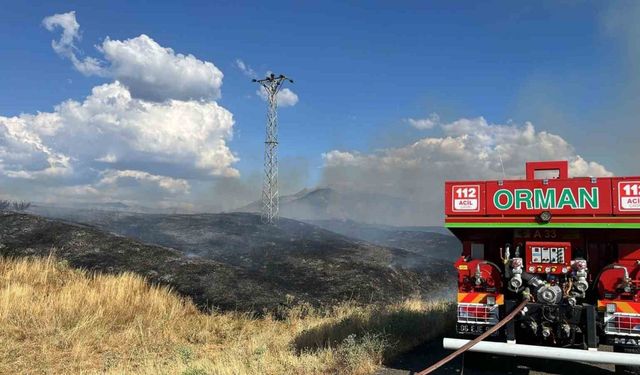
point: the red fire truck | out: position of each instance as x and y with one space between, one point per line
571 246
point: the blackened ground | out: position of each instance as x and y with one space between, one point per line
207 282
436 242
233 261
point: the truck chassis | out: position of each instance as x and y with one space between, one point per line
571 246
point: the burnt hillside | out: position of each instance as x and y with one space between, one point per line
359 206
231 260
427 241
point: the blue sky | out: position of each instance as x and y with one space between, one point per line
360 70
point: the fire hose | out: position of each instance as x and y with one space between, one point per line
468 345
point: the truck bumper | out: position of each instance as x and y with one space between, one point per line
534 351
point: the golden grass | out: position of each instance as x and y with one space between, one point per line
59 320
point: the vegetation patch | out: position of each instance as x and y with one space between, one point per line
56 319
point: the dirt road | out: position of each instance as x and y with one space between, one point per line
431 352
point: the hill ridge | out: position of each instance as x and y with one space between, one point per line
294 259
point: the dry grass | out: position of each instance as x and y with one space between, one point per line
55 319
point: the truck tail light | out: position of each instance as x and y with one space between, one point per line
624 324
477 313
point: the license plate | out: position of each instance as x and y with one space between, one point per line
631 342
473 329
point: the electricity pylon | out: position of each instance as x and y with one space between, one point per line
270 199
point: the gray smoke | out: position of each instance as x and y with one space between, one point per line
468 149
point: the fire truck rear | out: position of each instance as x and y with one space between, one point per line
571 246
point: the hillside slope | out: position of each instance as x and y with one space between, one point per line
425 241
207 282
375 218
59 320
364 207
232 260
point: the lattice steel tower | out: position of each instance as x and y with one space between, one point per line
270 199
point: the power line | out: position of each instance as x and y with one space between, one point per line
270 198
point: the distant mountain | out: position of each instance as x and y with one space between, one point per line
292 258
112 205
104 206
368 217
363 207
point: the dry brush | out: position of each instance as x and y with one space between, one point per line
56 319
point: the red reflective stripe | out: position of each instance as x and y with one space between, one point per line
479 298
621 306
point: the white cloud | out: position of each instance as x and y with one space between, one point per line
474 147
111 126
23 154
125 186
112 137
285 97
70 31
469 149
141 139
150 71
173 185
153 72
425 123
66 47
108 158
246 69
